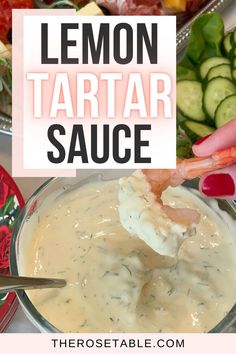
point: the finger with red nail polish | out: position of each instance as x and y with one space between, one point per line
221 184
200 141
222 138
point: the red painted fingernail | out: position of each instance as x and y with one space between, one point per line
216 185
202 139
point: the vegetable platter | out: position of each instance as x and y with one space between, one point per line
183 8
206 80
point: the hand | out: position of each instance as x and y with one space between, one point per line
221 183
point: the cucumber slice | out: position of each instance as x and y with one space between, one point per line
226 111
234 62
234 75
210 63
216 91
180 117
233 39
189 99
233 51
196 130
222 70
227 43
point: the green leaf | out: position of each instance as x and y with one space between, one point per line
205 40
2 296
184 73
184 145
9 205
180 118
13 222
6 63
63 4
6 78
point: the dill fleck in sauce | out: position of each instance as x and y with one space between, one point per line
115 282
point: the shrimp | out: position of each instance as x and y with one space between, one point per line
187 169
141 208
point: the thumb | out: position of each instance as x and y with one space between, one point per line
219 184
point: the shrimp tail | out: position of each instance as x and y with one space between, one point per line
197 166
187 169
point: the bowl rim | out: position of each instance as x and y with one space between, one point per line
24 300
34 315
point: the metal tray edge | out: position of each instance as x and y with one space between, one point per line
5 124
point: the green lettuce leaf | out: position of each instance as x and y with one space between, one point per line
205 40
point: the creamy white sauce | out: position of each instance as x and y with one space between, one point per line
115 282
142 216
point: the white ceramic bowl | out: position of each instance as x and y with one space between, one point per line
28 218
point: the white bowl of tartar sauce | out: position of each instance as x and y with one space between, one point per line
70 228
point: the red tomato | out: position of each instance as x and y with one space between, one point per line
22 4
5 14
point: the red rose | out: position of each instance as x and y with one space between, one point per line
4 271
3 193
5 237
11 192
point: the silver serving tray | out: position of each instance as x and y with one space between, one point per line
5 124
181 41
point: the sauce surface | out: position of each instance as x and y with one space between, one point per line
115 282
